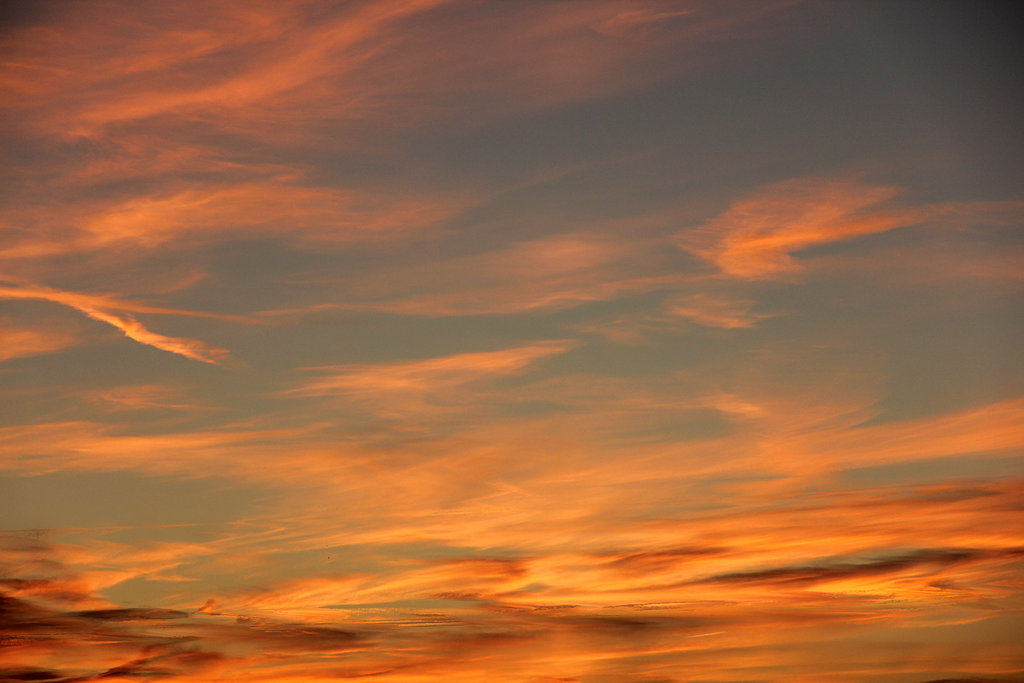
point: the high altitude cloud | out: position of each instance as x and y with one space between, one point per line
577 352
111 311
141 397
296 62
429 378
19 340
756 237
714 311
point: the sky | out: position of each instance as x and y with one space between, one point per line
540 341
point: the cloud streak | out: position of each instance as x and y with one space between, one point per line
433 376
19 341
756 237
110 311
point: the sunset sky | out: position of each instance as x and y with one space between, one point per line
540 341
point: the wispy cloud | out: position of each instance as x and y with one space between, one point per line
714 311
118 314
132 228
917 562
546 388
756 237
635 612
314 213
141 397
18 340
296 65
429 378
557 272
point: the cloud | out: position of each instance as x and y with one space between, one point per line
295 57
141 397
627 20
133 329
714 311
919 560
315 213
285 65
20 341
67 591
966 253
131 614
992 428
655 561
756 237
102 308
426 380
557 272
465 509
130 228
516 297
74 647
543 611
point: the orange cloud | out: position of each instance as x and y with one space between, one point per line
964 254
141 397
99 307
284 66
426 378
464 516
714 311
756 237
296 65
993 428
315 213
19 341
557 272
219 213
786 580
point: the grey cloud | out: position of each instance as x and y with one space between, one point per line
830 571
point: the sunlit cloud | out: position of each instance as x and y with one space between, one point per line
712 311
141 397
315 213
19 341
211 214
756 237
294 64
619 340
433 376
625 607
560 272
103 309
